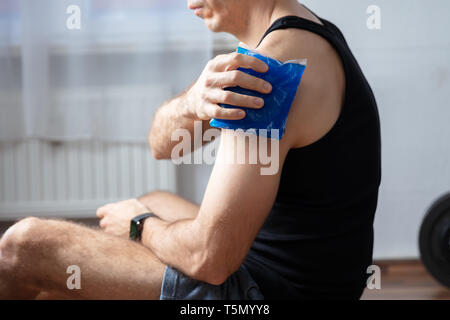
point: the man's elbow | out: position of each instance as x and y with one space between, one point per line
215 279
155 149
157 155
212 269
214 276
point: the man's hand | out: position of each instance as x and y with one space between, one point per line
115 217
205 95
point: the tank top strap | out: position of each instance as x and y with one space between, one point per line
286 22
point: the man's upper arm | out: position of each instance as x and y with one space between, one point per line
239 197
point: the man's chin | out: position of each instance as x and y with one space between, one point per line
212 25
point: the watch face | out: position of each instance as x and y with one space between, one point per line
133 230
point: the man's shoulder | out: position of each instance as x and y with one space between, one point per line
287 44
320 94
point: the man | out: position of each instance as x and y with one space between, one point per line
304 232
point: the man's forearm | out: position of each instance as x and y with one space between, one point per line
173 243
169 117
168 206
183 244
174 114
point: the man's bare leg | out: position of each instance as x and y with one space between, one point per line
35 254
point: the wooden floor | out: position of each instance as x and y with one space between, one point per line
406 280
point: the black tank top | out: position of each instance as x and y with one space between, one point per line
317 241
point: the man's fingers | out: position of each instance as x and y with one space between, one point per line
221 73
100 212
236 60
236 99
215 111
103 223
241 79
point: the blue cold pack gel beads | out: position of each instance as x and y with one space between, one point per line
285 79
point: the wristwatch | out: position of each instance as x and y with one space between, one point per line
137 224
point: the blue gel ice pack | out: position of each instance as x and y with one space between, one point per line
285 79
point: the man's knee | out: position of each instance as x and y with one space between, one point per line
18 241
18 257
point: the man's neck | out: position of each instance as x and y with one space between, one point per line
261 19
